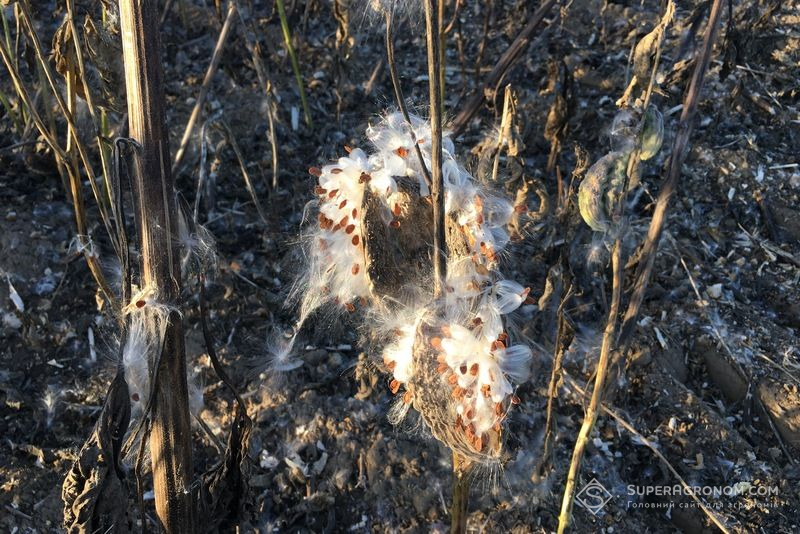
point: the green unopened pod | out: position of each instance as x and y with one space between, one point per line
652 133
601 189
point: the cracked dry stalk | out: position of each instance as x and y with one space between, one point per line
597 393
170 438
433 26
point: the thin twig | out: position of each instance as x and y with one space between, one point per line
265 82
398 93
201 97
246 175
653 447
503 64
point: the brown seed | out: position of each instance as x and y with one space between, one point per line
347 149
342 204
498 409
521 208
364 178
474 369
446 330
349 228
441 358
496 426
350 307
478 443
395 224
135 397
486 390
355 240
470 431
362 301
335 228
436 343
355 213
442 368
463 369
355 269
420 141
336 170
140 303
396 210
343 222
502 337
452 379
459 423
407 397
470 413
391 365
314 171
332 193
479 218
514 399
394 386
402 152
320 190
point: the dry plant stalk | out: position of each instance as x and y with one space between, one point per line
170 438
433 27
679 148
597 393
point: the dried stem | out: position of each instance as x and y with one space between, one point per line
461 483
679 147
201 97
654 448
266 84
555 379
590 417
498 72
153 192
74 182
437 186
398 92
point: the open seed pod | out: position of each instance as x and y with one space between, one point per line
398 240
601 188
459 380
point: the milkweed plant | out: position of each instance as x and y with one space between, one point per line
454 359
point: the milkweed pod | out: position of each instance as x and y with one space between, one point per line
652 135
601 188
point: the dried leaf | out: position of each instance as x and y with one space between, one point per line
94 490
225 489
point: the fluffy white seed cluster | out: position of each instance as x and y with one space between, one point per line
475 357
